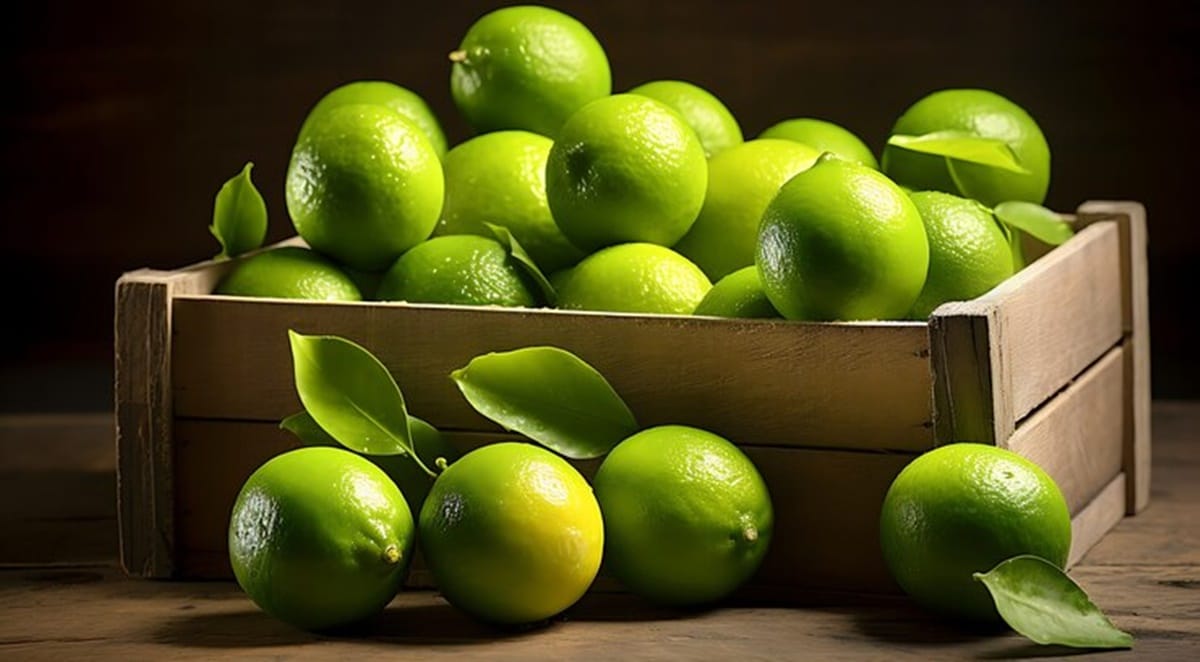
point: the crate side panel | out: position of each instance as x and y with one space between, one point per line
1058 316
1096 519
1078 436
762 383
826 503
1131 218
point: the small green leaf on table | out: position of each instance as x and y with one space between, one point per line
351 395
1041 602
549 395
239 215
962 146
525 261
1045 225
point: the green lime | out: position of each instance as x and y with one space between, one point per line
742 181
824 137
842 242
686 514
968 252
289 272
740 294
500 178
527 68
464 269
716 127
983 114
364 185
320 538
962 509
634 278
512 533
625 168
407 103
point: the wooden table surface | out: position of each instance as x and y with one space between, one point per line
63 597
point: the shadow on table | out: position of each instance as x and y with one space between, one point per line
418 625
910 627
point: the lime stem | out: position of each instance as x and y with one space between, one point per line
750 534
458 56
392 555
440 463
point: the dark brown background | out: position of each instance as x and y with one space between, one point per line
121 122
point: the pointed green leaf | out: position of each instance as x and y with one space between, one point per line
239 215
531 268
1041 602
1045 225
549 395
350 395
962 146
306 430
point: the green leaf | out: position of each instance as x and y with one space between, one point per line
1040 601
549 395
1045 225
350 395
531 268
306 430
239 215
962 146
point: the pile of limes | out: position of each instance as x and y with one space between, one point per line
575 197
640 201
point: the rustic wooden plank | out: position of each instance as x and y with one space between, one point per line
999 356
1077 437
1096 519
144 413
766 382
143 422
809 488
1135 305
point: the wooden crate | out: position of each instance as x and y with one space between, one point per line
1053 364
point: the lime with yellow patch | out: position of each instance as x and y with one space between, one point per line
512 533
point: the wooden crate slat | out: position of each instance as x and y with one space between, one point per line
757 382
1096 519
1135 303
1078 436
999 356
826 503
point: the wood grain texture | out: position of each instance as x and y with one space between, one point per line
756 382
826 503
1135 305
1000 356
1078 437
1096 519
